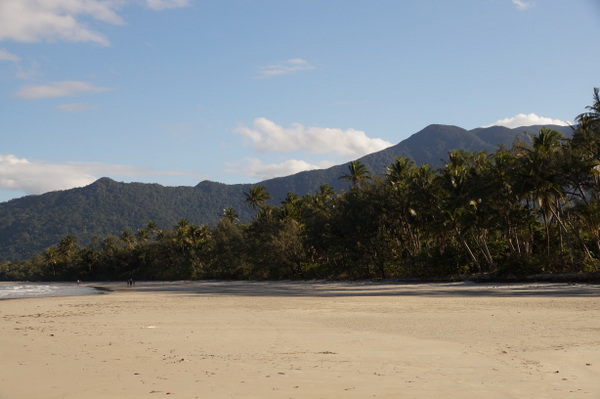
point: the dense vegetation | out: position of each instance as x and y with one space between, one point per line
30 224
532 208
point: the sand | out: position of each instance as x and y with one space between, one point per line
305 340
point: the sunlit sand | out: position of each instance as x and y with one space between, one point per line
305 340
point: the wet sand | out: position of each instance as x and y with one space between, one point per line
305 340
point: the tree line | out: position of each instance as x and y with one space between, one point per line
532 208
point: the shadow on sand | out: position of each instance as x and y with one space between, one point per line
358 289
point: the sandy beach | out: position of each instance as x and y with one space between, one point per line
305 340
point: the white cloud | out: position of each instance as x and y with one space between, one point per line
267 136
528 120
6 56
164 4
523 5
55 20
285 68
254 167
74 107
129 171
58 89
66 20
36 177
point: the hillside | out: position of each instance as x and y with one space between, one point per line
32 223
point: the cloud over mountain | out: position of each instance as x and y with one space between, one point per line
267 136
528 120
254 167
36 177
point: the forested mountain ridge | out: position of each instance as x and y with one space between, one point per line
428 146
32 223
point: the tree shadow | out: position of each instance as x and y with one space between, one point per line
362 289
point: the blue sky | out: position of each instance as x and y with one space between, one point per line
238 91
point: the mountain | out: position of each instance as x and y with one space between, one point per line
32 223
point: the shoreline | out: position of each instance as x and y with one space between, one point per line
26 290
277 340
591 278
358 288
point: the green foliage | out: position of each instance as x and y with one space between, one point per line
532 209
357 173
257 197
30 224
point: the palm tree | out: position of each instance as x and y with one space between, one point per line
109 246
67 247
291 206
591 120
400 175
547 140
586 143
152 228
504 202
127 238
256 197
51 258
230 214
357 173
325 191
400 170
142 235
182 237
68 252
458 205
198 235
291 198
543 177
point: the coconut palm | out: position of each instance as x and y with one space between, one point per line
586 145
127 238
67 247
357 173
543 179
400 170
153 228
458 205
591 120
291 206
182 238
325 192
142 235
50 259
230 214
257 196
